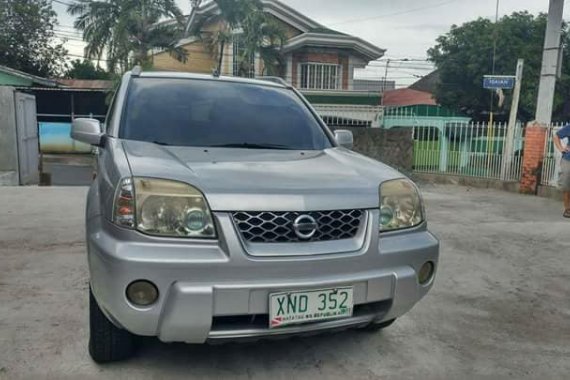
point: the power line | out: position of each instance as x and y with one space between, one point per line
62 2
69 36
403 64
63 26
395 13
67 26
75 44
67 31
411 65
401 59
403 67
401 75
81 56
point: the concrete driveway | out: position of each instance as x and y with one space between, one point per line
500 307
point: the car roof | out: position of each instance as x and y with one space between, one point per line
182 75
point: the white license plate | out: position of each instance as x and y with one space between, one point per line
289 308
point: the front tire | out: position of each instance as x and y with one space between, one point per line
107 342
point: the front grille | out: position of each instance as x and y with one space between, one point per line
277 227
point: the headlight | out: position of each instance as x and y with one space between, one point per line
400 205
166 208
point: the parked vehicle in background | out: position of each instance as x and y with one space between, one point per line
225 209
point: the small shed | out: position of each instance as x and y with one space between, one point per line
58 102
58 106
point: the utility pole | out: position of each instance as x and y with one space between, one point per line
495 36
510 138
550 59
384 82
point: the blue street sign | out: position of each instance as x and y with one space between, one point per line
495 82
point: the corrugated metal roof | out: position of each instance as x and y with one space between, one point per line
61 89
408 97
87 84
33 78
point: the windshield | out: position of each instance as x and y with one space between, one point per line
208 113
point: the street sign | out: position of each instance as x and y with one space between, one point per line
495 82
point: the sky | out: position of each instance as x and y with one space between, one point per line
405 28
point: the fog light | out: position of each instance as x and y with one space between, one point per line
142 293
426 273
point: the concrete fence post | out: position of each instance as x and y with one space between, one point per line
535 140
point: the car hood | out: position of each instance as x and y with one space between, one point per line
266 180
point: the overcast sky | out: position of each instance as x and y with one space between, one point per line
406 28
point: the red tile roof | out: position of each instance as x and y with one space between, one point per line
408 97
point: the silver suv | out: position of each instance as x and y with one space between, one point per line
225 209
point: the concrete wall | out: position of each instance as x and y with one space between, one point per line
8 141
394 147
476 182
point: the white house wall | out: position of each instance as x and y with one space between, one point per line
353 62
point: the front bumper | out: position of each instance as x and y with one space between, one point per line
215 290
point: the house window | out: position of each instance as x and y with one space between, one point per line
240 68
320 76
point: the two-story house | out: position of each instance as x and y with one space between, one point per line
319 61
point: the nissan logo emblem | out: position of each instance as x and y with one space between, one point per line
305 227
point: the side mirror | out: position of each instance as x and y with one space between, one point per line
344 138
87 131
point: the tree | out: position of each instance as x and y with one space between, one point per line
27 38
258 33
128 30
465 54
85 70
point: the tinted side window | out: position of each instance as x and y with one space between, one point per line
207 113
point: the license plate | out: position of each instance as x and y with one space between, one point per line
296 307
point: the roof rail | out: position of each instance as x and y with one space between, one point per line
277 80
136 71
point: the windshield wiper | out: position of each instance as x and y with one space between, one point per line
252 146
161 143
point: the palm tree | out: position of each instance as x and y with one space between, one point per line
258 34
128 30
261 34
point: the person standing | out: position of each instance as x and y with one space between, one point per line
564 181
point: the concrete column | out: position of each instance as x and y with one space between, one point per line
549 63
443 153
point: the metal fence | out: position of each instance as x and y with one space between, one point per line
551 161
469 149
349 115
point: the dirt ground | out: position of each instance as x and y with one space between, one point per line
500 307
